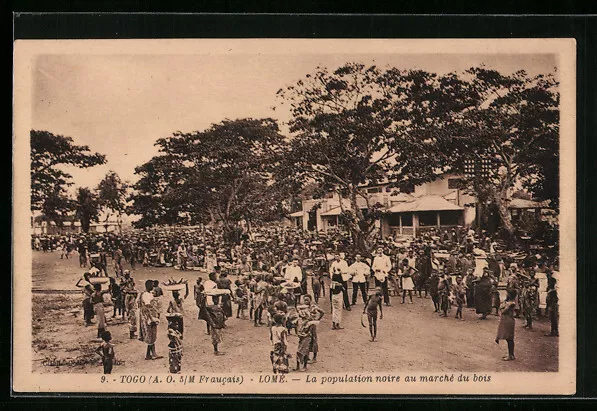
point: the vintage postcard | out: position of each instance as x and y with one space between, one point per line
295 216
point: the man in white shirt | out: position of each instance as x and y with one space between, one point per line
341 266
293 271
381 268
359 271
182 256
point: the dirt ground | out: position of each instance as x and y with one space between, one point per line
411 336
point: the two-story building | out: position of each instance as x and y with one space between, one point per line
439 204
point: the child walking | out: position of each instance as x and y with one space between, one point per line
174 348
279 338
106 350
373 302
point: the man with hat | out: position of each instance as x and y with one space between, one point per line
381 268
359 271
340 266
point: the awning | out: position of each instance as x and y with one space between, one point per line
523 204
297 214
425 203
333 212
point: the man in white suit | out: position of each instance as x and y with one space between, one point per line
341 266
381 268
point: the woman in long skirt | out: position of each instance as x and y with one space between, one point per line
337 300
148 319
506 326
216 320
97 299
131 309
87 289
316 314
305 334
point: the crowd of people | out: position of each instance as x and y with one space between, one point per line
279 275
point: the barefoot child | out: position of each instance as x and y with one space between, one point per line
373 302
176 309
316 282
279 338
174 348
131 309
241 299
97 299
315 314
106 350
117 298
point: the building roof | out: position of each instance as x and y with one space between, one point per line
425 203
401 197
297 214
332 212
522 203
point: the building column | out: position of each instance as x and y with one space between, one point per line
439 221
400 219
415 224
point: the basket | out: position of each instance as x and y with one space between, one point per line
174 287
217 291
99 280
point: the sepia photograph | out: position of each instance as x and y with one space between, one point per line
295 216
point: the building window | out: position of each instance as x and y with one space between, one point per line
374 190
329 194
450 217
394 220
427 218
407 220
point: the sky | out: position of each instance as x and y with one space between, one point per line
120 104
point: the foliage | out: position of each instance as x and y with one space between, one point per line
48 152
219 174
86 207
56 206
111 192
361 125
512 121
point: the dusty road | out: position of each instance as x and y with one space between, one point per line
411 337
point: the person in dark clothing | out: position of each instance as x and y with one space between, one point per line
483 295
552 307
470 288
506 325
433 290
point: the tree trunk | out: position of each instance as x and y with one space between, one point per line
361 239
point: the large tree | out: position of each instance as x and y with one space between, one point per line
362 125
510 125
220 174
56 206
86 207
111 192
48 153
157 196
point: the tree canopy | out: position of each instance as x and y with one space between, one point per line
219 174
48 152
86 207
362 125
